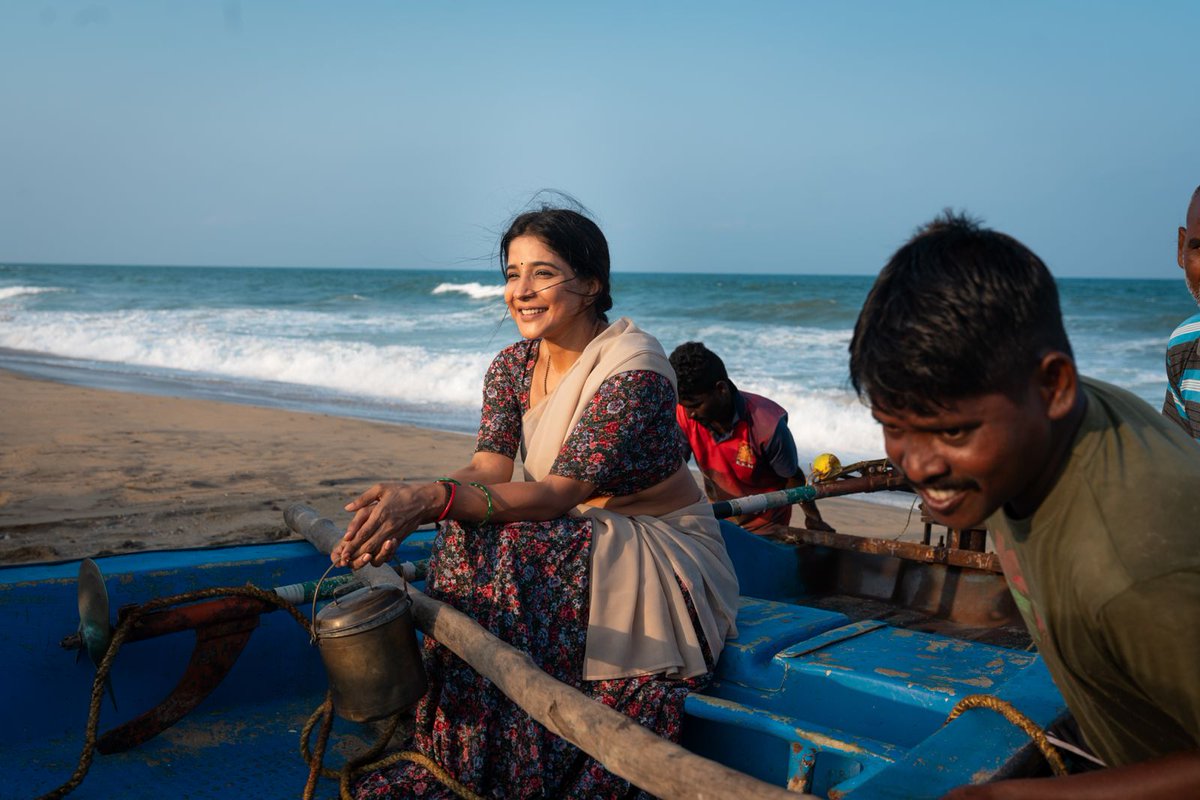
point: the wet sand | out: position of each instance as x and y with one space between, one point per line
86 472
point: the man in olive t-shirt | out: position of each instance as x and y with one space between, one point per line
1093 497
1106 573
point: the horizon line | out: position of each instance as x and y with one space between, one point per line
639 270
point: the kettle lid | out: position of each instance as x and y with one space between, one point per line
362 610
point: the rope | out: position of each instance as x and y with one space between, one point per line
434 769
363 764
1014 716
352 769
325 711
119 635
907 519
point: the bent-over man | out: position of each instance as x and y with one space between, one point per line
1090 494
740 441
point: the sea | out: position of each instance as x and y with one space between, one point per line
411 346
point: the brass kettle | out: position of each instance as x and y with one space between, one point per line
369 646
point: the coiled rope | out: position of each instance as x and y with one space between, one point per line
353 768
364 763
1014 716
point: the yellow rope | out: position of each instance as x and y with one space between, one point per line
1014 716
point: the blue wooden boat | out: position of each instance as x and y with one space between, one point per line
811 695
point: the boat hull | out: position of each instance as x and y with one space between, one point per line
805 697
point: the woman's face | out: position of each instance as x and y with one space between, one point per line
543 294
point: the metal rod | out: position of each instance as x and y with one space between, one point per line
755 503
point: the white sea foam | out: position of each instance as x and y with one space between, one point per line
1148 377
350 322
775 337
1125 346
9 292
397 373
824 421
403 347
474 290
777 340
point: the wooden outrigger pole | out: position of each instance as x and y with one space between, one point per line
874 479
622 746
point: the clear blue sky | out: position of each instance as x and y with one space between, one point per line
796 137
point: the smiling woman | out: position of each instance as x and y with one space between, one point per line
604 563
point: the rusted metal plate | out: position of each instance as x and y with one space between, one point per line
218 646
193 616
912 551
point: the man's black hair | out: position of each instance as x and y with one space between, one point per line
697 369
960 310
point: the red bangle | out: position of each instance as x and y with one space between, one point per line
451 490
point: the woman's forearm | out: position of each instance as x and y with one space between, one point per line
485 468
483 475
531 501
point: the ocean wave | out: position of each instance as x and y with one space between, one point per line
474 290
394 372
824 421
1094 347
776 339
9 292
353 323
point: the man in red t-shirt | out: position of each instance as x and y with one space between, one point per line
740 441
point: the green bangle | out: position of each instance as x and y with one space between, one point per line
491 509
447 480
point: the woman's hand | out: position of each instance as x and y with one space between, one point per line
383 516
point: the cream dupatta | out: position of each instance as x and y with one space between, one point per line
639 622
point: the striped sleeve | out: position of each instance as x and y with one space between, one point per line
1182 402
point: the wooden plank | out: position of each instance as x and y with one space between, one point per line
622 746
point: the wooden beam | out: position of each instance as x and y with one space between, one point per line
622 746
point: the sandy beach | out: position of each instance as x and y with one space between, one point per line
86 472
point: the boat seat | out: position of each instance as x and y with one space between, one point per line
804 698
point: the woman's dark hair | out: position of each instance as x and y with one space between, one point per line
697 369
960 310
575 238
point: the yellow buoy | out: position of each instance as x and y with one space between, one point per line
825 465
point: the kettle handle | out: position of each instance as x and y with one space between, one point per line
312 639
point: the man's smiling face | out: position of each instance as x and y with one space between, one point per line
1189 247
973 455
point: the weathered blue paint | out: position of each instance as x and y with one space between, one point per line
767 570
803 697
857 699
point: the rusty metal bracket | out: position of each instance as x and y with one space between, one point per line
912 551
223 628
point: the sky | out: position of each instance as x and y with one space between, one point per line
776 137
